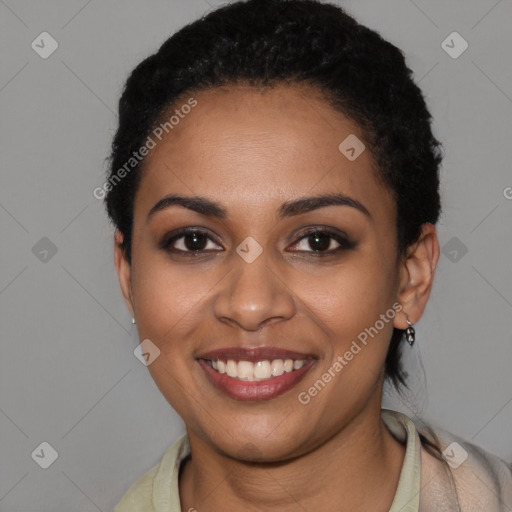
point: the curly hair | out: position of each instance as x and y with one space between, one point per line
268 42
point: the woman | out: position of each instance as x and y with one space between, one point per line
274 185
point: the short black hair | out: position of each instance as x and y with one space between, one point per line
269 42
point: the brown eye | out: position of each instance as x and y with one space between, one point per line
195 241
189 241
320 241
323 242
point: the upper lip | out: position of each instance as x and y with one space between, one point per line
254 354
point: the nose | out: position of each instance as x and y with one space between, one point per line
254 294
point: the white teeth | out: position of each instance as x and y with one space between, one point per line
288 365
277 367
260 370
245 370
232 368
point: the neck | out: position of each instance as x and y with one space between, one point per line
347 469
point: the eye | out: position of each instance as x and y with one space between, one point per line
323 242
189 240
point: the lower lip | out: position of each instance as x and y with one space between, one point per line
255 390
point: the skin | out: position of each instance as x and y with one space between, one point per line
252 151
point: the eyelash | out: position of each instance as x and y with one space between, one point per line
343 241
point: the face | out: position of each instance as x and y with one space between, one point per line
263 271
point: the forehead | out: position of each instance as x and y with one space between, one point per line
247 146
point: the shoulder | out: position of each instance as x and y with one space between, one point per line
467 475
139 497
154 484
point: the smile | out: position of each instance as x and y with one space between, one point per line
258 371
255 374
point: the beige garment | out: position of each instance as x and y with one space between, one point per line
481 482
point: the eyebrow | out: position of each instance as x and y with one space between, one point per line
290 208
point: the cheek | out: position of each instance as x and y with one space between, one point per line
347 304
350 296
171 305
169 299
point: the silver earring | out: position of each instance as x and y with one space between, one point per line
133 320
410 334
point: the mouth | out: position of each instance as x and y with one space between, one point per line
258 371
255 374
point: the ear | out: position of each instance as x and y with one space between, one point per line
123 269
417 276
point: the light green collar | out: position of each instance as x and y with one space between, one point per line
166 488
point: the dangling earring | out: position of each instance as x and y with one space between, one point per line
133 320
410 334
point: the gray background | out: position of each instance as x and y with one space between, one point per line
68 375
